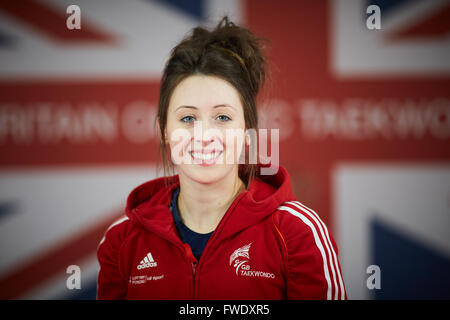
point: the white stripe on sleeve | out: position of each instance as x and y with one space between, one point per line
112 225
331 253
318 244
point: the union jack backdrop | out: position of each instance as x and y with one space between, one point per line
364 118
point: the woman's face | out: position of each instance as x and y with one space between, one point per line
204 113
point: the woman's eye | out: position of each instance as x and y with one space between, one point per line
188 119
223 118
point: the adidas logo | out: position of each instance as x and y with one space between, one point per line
147 262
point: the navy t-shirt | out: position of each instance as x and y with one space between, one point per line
197 241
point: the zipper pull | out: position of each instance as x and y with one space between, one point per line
191 257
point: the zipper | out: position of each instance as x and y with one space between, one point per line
187 249
194 276
194 263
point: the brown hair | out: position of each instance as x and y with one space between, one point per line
230 52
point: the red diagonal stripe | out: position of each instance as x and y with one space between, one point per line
56 260
436 25
52 22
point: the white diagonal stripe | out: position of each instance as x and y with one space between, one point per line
318 244
336 263
331 253
112 225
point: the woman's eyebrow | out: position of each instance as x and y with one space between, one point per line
189 107
217 106
224 105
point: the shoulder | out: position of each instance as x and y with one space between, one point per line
116 233
297 222
312 255
295 215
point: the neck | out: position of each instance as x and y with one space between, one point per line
202 206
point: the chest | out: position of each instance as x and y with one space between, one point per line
249 265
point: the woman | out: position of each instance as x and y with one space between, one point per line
219 229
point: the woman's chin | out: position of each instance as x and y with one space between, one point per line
204 174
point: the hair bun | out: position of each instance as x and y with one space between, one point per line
246 47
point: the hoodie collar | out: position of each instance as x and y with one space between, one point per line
148 204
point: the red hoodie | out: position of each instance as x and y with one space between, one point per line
267 246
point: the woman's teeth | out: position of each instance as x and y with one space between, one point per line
205 156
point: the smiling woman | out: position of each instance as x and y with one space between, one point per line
206 128
220 228
230 63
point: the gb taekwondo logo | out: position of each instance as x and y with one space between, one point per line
241 252
241 257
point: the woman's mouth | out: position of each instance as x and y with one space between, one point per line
205 158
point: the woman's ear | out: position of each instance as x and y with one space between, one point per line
162 136
247 138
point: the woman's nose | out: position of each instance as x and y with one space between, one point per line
205 133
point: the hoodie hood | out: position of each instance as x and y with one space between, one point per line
148 204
